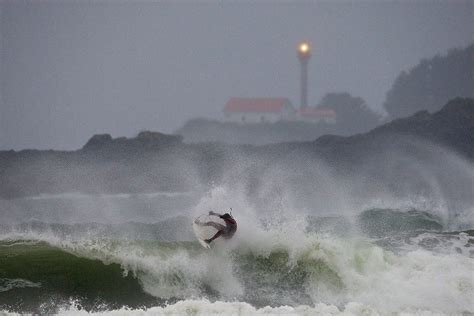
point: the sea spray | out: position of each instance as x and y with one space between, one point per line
276 271
277 259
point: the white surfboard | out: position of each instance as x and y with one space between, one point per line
205 232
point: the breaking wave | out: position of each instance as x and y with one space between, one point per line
413 270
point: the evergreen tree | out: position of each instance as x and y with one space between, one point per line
431 83
353 114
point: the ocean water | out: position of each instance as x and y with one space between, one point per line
377 262
394 236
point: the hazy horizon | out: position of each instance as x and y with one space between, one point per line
73 69
350 223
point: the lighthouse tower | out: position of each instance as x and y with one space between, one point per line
304 53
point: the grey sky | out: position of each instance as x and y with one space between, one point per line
70 69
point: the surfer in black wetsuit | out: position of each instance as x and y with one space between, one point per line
226 231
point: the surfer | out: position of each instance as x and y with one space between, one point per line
226 231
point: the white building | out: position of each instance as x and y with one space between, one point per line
259 110
317 115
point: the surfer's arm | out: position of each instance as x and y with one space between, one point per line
214 213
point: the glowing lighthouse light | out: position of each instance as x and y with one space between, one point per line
304 48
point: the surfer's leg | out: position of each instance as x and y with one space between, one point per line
215 225
214 237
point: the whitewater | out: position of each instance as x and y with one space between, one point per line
287 267
309 242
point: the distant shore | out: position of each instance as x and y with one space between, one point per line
153 162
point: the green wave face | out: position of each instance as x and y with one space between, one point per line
59 276
383 222
401 254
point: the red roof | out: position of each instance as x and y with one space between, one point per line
239 105
316 112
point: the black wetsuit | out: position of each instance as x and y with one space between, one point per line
226 231
230 228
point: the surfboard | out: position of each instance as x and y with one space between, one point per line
205 232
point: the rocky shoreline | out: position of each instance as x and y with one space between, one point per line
154 161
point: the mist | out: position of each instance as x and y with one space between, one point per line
73 69
125 187
347 225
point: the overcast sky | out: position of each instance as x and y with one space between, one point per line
70 69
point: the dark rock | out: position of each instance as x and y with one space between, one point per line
98 141
154 161
145 139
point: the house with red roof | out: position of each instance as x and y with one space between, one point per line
259 110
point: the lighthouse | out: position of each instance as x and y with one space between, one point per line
304 53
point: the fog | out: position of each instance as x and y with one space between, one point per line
70 69
338 209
